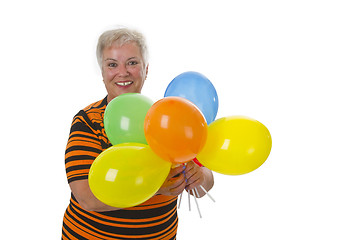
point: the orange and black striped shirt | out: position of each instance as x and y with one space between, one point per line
154 219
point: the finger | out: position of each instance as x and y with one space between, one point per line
173 187
192 171
177 189
193 185
175 172
189 165
195 179
177 181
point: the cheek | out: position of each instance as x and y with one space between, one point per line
107 75
143 73
136 72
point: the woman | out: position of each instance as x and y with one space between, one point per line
123 59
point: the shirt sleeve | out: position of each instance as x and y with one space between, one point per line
82 148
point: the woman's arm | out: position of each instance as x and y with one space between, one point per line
173 186
175 183
82 149
86 198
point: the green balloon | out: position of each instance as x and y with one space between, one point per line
124 118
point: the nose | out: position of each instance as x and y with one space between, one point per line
122 71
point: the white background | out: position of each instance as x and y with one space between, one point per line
292 65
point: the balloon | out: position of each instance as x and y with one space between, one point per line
198 89
235 145
124 118
175 129
127 174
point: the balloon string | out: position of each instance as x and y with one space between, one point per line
208 194
197 193
180 200
189 201
197 205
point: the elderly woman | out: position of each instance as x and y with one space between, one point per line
123 59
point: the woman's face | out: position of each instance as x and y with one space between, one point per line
123 69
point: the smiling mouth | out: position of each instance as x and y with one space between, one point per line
124 83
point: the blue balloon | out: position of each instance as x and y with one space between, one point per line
198 89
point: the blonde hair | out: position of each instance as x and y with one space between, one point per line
121 36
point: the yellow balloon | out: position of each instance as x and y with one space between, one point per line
127 174
235 145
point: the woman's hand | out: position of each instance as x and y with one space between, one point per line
187 177
196 176
175 182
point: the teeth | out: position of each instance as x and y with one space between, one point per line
123 83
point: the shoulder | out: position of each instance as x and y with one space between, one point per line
98 105
96 110
90 120
91 116
93 112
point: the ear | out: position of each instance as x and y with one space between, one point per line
147 70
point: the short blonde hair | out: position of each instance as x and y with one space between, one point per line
121 36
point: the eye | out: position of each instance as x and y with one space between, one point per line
132 62
112 65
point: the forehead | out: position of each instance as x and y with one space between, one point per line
123 47
128 48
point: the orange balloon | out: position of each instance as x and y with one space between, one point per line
175 129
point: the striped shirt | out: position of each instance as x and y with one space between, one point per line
154 219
